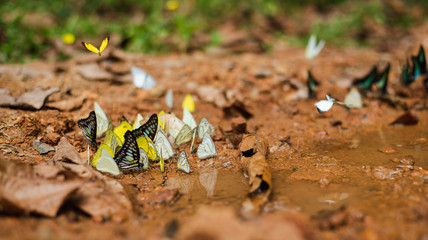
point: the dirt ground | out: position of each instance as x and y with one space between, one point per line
344 174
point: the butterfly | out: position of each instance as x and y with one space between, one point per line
142 79
107 164
173 125
188 103
207 148
353 99
148 129
312 50
189 119
147 145
98 153
182 163
419 67
112 140
163 147
137 122
169 99
366 82
382 79
123 127
93 49
325 105
102 121
144 159
89 127
312 85
205 127
128 157
184 136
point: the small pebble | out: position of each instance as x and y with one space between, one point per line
387 150
408 160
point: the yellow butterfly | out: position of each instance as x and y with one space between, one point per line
93 49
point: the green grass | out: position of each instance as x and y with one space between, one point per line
148 27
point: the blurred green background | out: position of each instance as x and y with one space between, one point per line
34 29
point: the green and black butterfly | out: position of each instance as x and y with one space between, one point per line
148 129
89 127
419 67
312 85
382 79
128 157
366 82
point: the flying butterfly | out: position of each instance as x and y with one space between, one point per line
366 82
207 148
89 128
128 157
205 127
382 79
148 129
312 85
107 164
93 49
183 163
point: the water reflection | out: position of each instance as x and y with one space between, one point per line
185 184
208 181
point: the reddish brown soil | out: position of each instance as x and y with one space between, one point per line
338 175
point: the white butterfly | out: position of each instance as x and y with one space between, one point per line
163 147
173 125
184 136
102 120
137 122
169 99
142 79
205 127
353 99
312 50
144 159
207 148
182 163
107 164
325 105
189 119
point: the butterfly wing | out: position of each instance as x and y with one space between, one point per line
422 61
207 148
104 44
312 85
89 127
128 157
163 147
205 127
102 120
188 103
107 164
144 159
405 74
366 81
91 48
189 119
148 129
184 136
183 163
382 81
169 99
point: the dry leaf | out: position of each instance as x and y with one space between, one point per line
407 118
66 152
92 71
33 100
68 105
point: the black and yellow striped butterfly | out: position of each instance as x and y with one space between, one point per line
93 49
148 129
89 127
128 157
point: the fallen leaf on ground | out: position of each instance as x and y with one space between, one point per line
68 105
253 161
67 153
33 100
93 71
29 194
